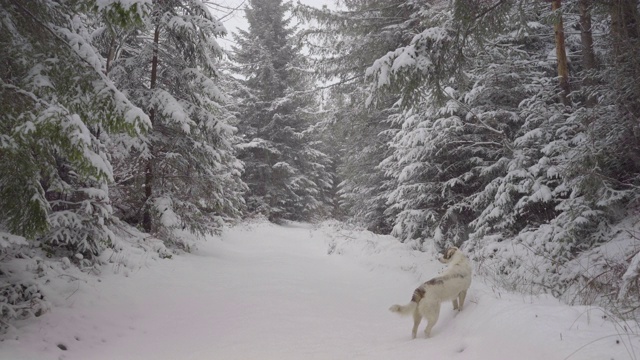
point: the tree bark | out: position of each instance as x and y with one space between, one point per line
147 222
588 56
561 53
624 24
111 53
625 36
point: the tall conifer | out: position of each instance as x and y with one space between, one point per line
288 176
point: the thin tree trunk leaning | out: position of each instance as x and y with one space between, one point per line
561 54
148 171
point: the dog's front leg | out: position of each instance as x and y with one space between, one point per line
455 304
416 322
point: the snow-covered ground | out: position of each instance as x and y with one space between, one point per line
262 291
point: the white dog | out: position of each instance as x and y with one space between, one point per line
451 285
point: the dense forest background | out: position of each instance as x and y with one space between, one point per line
510 128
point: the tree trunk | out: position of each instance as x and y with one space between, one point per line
561 54
588 56
624 24
148 171
625 36
111 54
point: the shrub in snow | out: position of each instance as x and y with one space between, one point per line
20 294
536 261
19 301
630 287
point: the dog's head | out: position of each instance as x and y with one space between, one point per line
448 254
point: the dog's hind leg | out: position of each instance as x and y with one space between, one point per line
461 297
455 304
432 313
417 317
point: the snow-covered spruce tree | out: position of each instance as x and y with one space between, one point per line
364 188
541 183
287 175
616 170
56 106
577 183
359 140
183 173
458 157
439 142
602 157
521 189
56 109
344 43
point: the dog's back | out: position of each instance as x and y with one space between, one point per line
456 278
444 288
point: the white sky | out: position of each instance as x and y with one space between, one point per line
236 19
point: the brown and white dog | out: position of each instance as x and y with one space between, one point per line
451 285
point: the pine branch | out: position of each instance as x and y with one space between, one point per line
488 10
55 35
231 9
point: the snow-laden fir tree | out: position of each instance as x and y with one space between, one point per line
288 176
593 149
570 182
57 108
466 81
343 44
362 136
457 133
494 152
183 173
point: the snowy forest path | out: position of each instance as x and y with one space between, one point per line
265 292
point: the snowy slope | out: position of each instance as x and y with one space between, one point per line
262 291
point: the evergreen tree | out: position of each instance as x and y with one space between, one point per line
360 143
344 43
58 108
288 176
494 152
185 164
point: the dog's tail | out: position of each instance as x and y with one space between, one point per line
404 309
418 294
